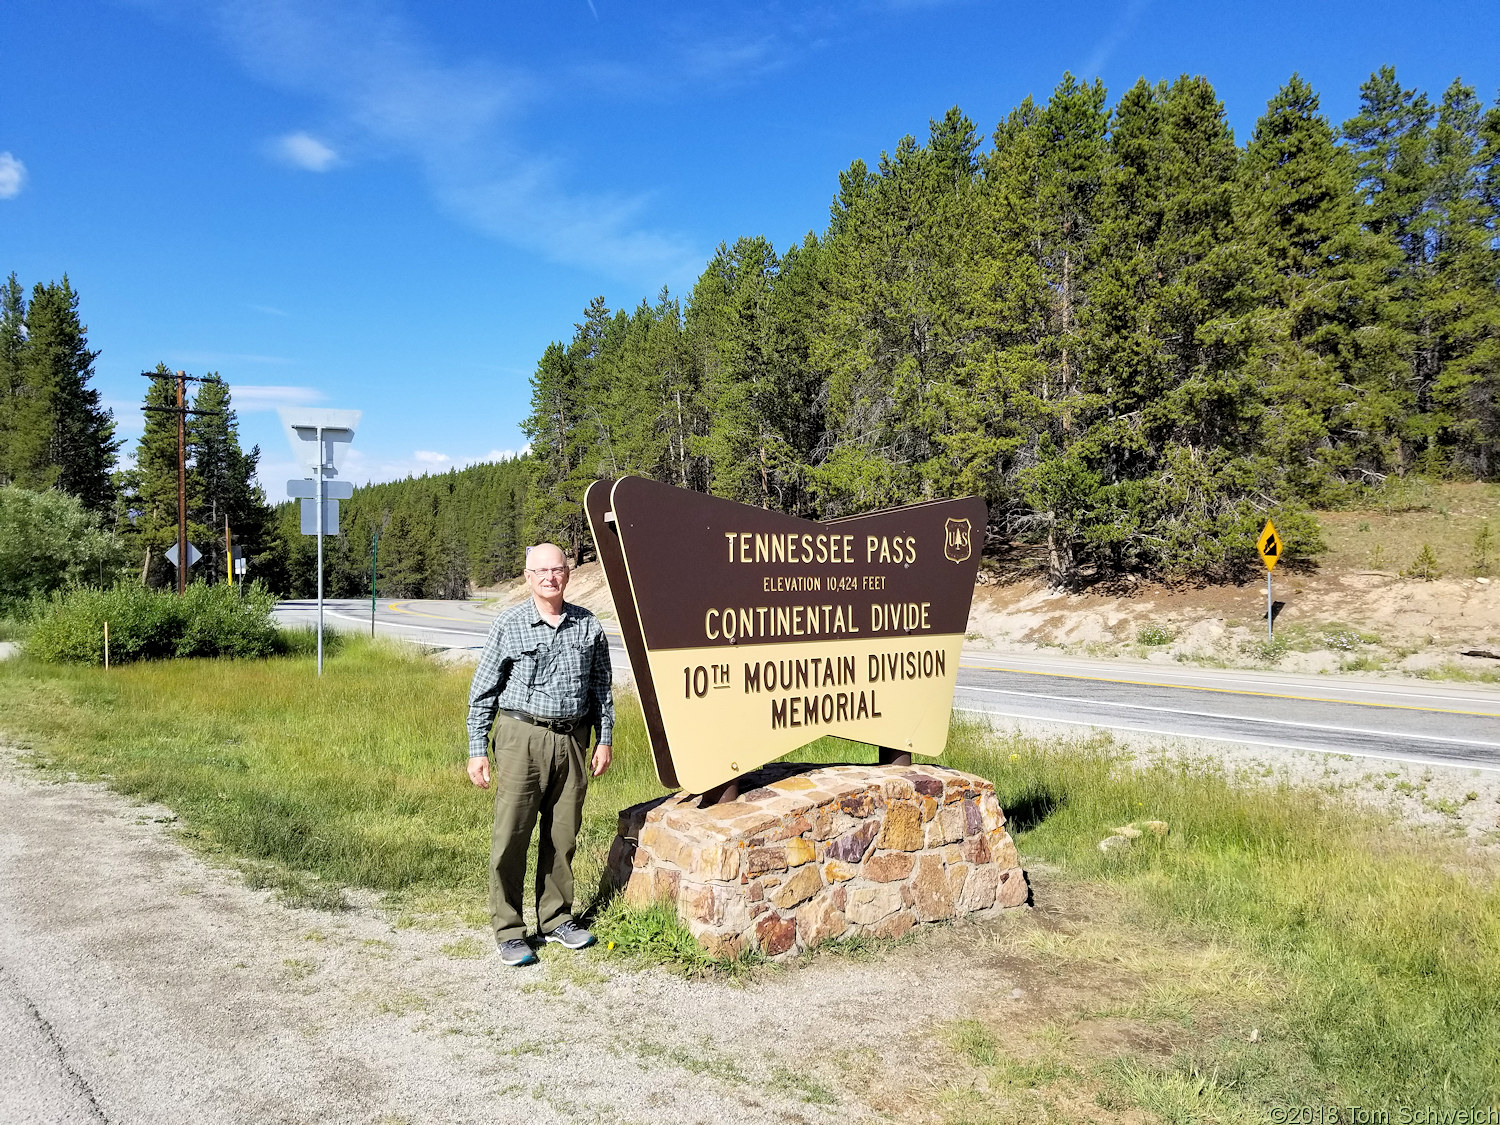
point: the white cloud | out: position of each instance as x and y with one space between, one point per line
304 151
1125 23
12 176
269 310
248 397
498 455
385 89
273 475
427 457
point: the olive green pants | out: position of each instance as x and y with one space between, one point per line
537 773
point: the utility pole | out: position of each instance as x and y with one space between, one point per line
181 483
182 379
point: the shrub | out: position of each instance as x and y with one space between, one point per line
48 540
153 624
217 621
1268 651
1155 634
1345 639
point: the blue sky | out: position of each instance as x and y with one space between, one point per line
394 206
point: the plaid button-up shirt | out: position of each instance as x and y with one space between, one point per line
527 665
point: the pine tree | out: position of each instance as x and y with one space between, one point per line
222 483
902 324
1323 324
559 445
407 551
729 324
148 503
1065 141
61 434
1167 419
1461 331
12 345
646 380
1389 139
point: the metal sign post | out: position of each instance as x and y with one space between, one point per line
374 576
1269 546
319 438
318 476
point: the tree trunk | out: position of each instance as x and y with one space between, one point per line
1067 327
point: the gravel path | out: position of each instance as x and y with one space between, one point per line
139 984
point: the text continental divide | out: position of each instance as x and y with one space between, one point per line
734 623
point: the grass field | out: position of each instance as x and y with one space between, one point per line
1387 532
1275 949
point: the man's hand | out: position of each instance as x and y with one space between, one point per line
602 756
479 771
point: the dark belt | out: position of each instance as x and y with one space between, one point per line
557 726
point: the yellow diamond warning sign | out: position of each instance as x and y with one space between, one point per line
1269 545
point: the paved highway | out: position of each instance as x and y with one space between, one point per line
1409 720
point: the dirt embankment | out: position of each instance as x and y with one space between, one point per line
1348 622
1406 585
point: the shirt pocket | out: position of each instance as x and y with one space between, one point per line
577 658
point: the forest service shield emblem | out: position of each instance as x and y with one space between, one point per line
957 541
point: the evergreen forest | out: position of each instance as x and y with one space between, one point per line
1133 335
438 536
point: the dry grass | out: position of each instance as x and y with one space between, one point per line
1387 533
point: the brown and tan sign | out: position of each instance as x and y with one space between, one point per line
751 633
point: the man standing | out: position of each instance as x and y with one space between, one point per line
545 668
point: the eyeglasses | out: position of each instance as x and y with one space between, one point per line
554 571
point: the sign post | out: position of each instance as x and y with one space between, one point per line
374 576
319 439
1269 546
751 633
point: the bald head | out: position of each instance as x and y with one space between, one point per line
545 554
547 576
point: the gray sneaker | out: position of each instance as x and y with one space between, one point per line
515 952
570 935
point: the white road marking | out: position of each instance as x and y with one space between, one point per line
1241 682
1238 718
1448 763
397 625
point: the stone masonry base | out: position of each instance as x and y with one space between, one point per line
808 853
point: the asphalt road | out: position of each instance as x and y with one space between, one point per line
1409 720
